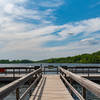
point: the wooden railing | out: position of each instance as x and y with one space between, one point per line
88 70
32 78
50 68
14 71
85 83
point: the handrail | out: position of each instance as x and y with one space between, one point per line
91 86
32 67
85 67
89 70
15 71
50 68
5 90
72 88
32 85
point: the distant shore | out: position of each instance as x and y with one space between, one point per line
93 58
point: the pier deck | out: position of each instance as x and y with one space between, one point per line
42 86
51 88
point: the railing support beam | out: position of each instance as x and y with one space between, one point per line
17 93
84 92
70 80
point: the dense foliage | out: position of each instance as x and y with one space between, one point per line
16 61
84 58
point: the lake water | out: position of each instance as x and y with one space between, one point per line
90 96
46 64
12 95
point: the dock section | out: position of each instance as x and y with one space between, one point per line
51 88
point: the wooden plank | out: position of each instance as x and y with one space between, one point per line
51 88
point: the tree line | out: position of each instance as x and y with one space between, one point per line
6 61
84 58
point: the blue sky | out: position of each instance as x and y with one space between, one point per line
41 29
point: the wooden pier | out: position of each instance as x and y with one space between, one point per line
52 88
57 86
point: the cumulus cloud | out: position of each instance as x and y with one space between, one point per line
23 32
90 41
85 26
51 3
14 12
35 38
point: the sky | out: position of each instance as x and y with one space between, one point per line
42 29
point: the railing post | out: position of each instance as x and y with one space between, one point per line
19 71
6 72
29 70
13 73
30 92
70 80
41 66
26 70
84 92
44 70
41 72
1 98
83 70
88 72
97 70
57 69
17 93
65 76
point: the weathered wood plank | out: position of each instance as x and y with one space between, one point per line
51 88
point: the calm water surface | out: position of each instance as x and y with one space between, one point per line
45 64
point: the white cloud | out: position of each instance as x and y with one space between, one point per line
14 12
51 3
90 41
9 8
87 39
23 39
18 12
86 26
